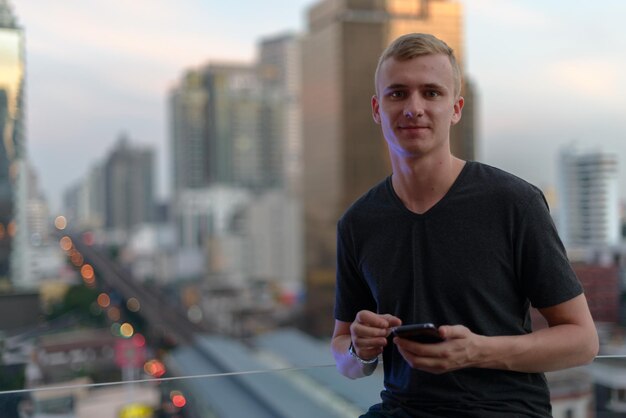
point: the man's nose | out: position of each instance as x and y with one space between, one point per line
414 107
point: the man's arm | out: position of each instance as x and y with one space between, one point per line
571 340
368 336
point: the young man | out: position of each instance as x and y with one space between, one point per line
460 244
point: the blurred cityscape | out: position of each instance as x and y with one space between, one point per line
218 302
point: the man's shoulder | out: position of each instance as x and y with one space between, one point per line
369 202
500 182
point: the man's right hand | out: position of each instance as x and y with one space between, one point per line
369 333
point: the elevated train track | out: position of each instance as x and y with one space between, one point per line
162 315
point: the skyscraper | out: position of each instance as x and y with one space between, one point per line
240 124
188 103
279 72
588 199
12 146
129 186
344 153
84 202
215 115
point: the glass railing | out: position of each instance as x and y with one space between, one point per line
268 384
114 348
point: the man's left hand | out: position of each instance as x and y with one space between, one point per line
461 349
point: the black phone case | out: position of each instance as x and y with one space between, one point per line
421 333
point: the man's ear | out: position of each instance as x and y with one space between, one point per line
375 108
457 111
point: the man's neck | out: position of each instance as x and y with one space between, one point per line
421 183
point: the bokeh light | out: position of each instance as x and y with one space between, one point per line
89 238
127 330
139 340
76 258
133 304
60 222
104 300
87 272
66 243
115 329
178 399
114 314
154 368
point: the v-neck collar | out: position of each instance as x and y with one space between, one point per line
439 203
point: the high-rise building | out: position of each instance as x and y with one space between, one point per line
12 146
188 133
279 72
37 211
84 202
129 186
35 256
344 152
215 116
233 118
92 207
588 199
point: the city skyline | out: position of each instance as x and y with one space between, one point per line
550 77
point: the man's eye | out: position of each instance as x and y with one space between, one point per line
397 94
432 93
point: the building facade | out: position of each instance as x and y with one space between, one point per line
279 73
188 103
344 152
129 186
215 116
588 199
239 124
12 147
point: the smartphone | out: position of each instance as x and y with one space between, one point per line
422 333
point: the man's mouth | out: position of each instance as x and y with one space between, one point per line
413 127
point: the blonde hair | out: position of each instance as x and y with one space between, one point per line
414 45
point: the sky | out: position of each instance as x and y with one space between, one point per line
548 74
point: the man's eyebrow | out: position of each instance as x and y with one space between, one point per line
436 86
395 86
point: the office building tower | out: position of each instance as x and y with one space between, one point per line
240 124
188 103
215 114
344 152
29 231
12 146
37 211
280 130
35 256
129 186
84 202
233 118
92 209
589 199
71 202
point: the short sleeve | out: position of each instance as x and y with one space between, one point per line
352 293
541 260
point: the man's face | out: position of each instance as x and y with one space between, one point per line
416 104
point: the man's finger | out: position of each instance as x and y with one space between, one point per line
369 331
371 319
392 321
453 331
